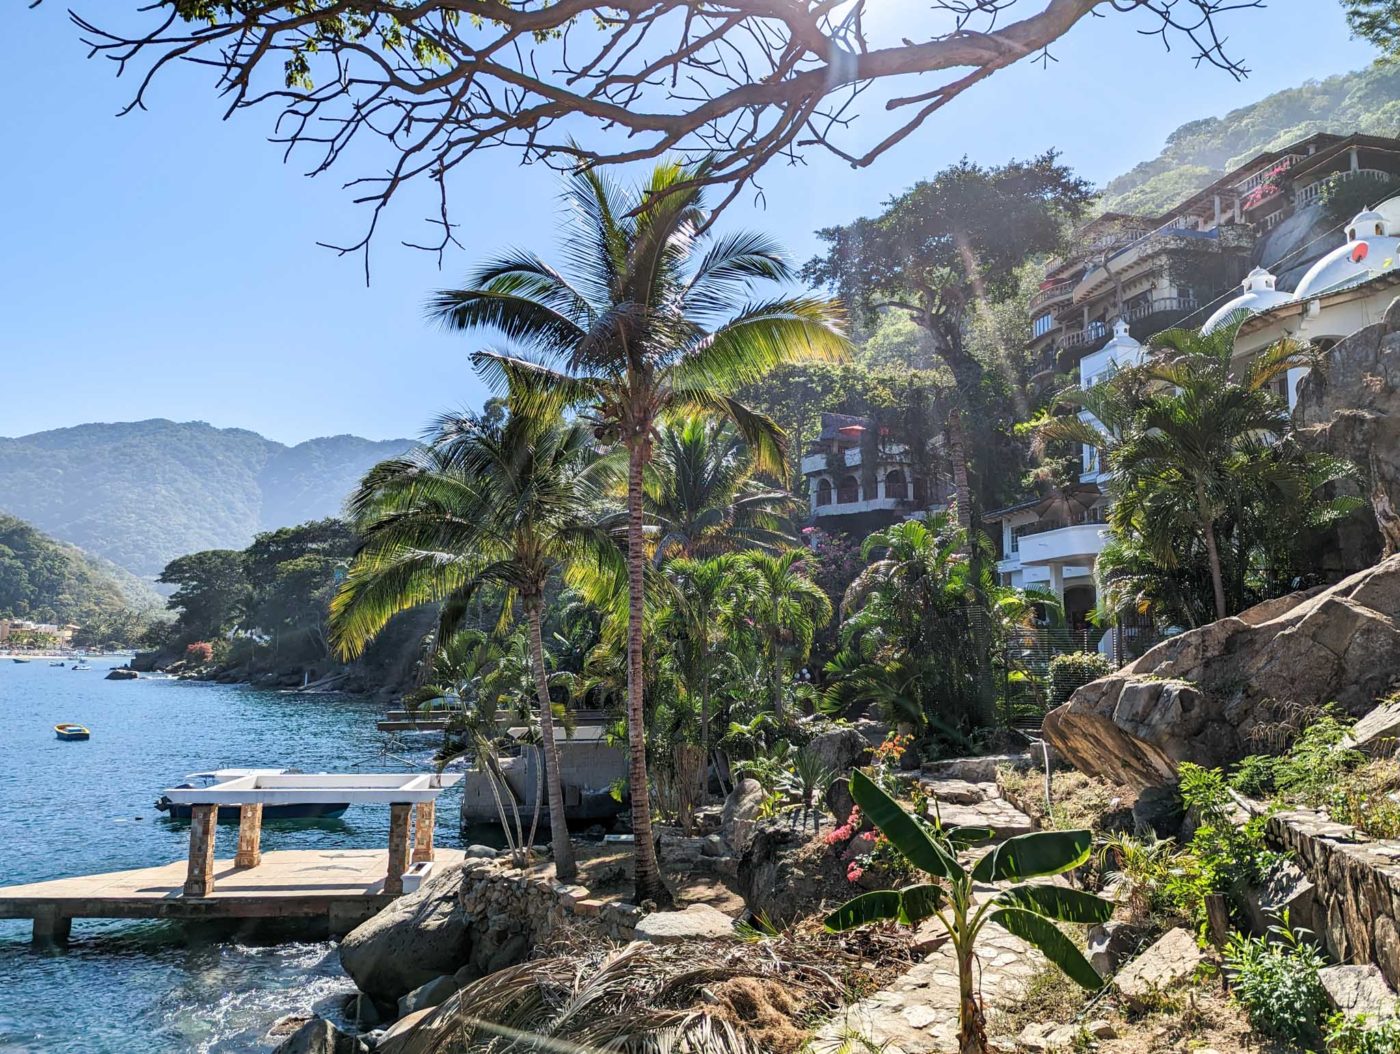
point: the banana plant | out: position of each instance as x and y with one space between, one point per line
1027 910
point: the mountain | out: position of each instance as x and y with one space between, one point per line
44 580
142 493
1199 152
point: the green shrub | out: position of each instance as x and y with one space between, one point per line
1356 1035
1276 981
1255 775
1316 761
1070 671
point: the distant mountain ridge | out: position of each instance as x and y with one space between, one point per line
1201 151
45 580
141 493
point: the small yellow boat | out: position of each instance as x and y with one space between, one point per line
67 730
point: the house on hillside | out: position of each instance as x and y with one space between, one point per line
861 478
1255 248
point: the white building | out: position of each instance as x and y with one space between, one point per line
844 493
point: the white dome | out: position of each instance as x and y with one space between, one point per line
1371 249
1260 294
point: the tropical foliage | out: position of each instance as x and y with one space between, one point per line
652 315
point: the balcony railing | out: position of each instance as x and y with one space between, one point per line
1050 294
1247 184
1313 191
1098 330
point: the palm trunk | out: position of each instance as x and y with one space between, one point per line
646 872
957 453
775 676
1217 578
705 724
564 867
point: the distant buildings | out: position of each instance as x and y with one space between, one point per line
1255 245
13 630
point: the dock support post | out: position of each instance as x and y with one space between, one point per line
249 835
399 814
424 819
51 928
204 823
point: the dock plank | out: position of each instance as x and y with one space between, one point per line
286 884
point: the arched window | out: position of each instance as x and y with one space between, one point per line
824 492
895 486
848 491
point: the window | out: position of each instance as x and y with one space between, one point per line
848 491
895 487
824 492
1042 325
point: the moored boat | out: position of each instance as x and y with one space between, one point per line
70 731
230 813
57 662
80 666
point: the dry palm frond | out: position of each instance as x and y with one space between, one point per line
642 998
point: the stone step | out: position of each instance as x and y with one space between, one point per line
960 792
999 815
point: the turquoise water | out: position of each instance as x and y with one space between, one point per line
77 808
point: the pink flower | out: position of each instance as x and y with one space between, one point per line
854 872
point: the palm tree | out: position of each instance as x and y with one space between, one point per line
500 506
645 324
786 609
702 493
1186 438
702 592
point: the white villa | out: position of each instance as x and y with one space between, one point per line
1049 545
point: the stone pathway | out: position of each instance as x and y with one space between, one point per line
918 1013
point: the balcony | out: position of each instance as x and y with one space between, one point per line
1074 544
1096 331
1266 173
853 507
1052 294
890 456
1313 191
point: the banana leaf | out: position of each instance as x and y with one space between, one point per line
1057 902
881 905
904 832
919 902
1035 855
1041 932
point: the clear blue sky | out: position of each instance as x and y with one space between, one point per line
165 264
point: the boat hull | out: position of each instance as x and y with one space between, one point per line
72 734
230 813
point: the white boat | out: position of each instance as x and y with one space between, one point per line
57 662
80 666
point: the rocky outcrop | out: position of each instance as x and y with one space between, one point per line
787 873
1205 696
696 921
468 921
741 811
319 1036
839 750
1350 407
1358 990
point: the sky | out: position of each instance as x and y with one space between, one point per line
165 264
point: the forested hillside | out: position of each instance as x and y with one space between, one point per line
1200 151
47 581
142 493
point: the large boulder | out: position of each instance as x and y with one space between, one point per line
1350 407
1359 990
1168 963
740 813
1200 696
787 874
840 749
417 938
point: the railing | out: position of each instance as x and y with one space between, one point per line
1058 291
1313 191
1098 330
1247 184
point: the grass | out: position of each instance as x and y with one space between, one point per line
1077 800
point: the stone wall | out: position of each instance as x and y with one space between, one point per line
492 888
1357 880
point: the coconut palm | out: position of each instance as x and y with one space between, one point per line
703 496
1189 441
656 315
487 506
784 608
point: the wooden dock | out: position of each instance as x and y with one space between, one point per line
343 886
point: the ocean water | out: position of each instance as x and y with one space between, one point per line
153 987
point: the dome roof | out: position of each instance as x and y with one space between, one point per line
1260 294
1371 249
